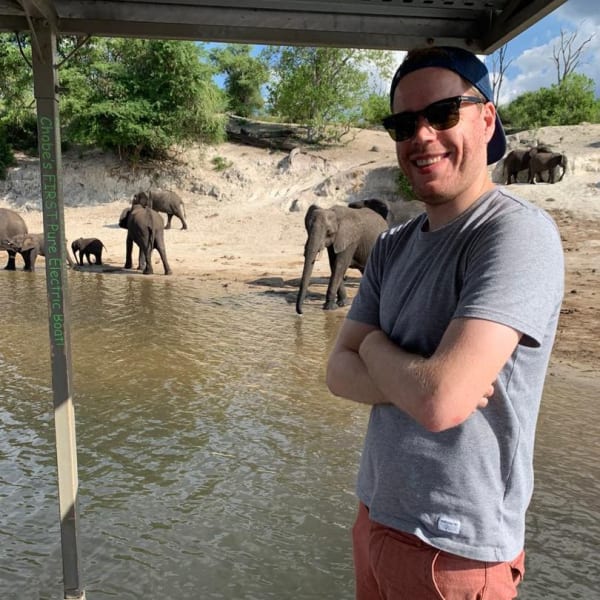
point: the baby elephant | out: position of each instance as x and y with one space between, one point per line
88 247
28 245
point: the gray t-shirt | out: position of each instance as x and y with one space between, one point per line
464 490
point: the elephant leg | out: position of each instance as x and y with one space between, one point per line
10 265
141 260
169 217
128 250
336 289
182 219
160 247
29 257
26 254
148 270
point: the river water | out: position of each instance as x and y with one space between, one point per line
213 462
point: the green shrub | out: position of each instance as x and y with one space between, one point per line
20 131
220 163
404 188
7 158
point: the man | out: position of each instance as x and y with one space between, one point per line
449 339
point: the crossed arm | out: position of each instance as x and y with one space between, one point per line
439 392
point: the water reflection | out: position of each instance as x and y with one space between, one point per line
213 463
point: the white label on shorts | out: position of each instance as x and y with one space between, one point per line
448 525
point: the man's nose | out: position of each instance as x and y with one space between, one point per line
423 129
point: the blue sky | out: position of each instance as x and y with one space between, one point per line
532 65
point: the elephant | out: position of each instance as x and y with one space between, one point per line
518 160
167 202
145 227
29 246
547 161
87 247
11 224
348 234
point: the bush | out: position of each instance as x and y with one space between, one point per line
7 158
20 131
569 103
374 109
404 187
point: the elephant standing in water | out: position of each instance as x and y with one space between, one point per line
11 224
29 246
167 202
348 234
145 227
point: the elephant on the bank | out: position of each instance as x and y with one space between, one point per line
145 227
348 234
87 247
166 202
518 160
547 161
28 245
11 224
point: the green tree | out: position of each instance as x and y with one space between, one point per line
571 102
374 108
17 104
318 87
140 97
244 77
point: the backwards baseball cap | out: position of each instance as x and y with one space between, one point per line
470 68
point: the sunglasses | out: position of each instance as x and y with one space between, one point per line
440 115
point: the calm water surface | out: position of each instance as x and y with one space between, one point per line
213 463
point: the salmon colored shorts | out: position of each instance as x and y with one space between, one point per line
392 565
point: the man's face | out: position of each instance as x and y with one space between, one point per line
448 165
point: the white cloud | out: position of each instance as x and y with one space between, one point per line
574 11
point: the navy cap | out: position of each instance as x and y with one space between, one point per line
470 68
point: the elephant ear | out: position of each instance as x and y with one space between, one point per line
124 218
308 217
345 236
28 243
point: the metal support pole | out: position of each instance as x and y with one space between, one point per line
45 78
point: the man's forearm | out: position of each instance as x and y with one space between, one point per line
400 376
348 377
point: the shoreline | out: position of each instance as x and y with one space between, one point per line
246 223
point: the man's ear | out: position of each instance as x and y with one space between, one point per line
489 115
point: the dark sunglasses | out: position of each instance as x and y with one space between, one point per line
441 115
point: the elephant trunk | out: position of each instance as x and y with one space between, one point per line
311 250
